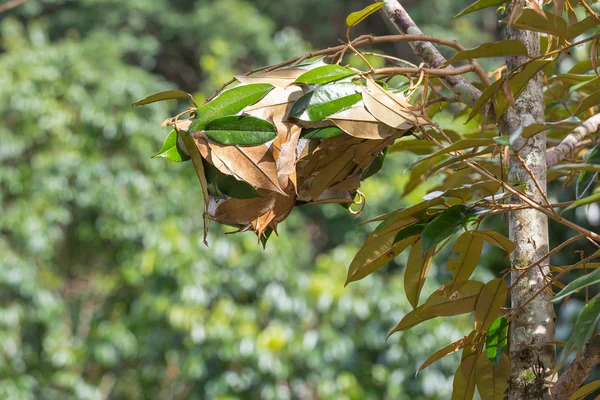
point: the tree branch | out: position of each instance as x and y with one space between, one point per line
560 152
577 371
10 5
463 90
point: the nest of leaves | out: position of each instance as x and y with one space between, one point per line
305 134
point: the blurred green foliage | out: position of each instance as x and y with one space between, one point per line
106 290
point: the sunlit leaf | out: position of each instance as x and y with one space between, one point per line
530 20
478 5
588 102
446 224
324 74
443 352
496 340
578 284
229 102
324 101
459 145
463 387
584 326
585 390
496 49
496 239
357 17
242 130
492 380
167 95
490 302
468 248
417 268
390 108
171 149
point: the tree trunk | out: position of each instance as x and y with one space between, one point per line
531 334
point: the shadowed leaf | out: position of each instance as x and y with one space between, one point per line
357 17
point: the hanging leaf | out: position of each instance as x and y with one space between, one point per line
584 327
390 108
324 74
496 239
443 352
417 268
497 49
586 179
221 185
588 102
530 20
229 102
468 246
585 201
496 340
324 101
478 5
395 221
242 130
487 95
441 304
358 122
446 224
167 95
357 17
459 145
265 237
322 133
376 165
490 302
581 27
463 387
578 284
171 149
492 380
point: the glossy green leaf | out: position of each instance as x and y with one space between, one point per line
478 5
588 102
324 101
240 130
446 224
229 102
357 17
582 282
586 179
171 149
324 74
375 165
167 95
221 185
584 201
585 325
530 20
322 133
496 339
497 49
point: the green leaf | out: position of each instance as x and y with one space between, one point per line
168 95
487 94
357 17
584 326
446 224
510 140
375 165
221 185
585 201
578 284
229 102
265 237
588 102
478 5
322 133
171 149
577 29
240 130
586 179
496 339
584 391
324 74
324 101
497 49
458 145
530 20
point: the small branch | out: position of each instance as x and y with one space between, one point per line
577 371
560 152
10 5
463 89
429 71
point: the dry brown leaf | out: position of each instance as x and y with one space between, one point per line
253 164
390 108
239 211
280 77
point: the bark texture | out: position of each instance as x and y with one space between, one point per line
578 370
560 152
532 351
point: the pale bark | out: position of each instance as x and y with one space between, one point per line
532 351
560 152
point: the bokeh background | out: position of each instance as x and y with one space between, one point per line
106 290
